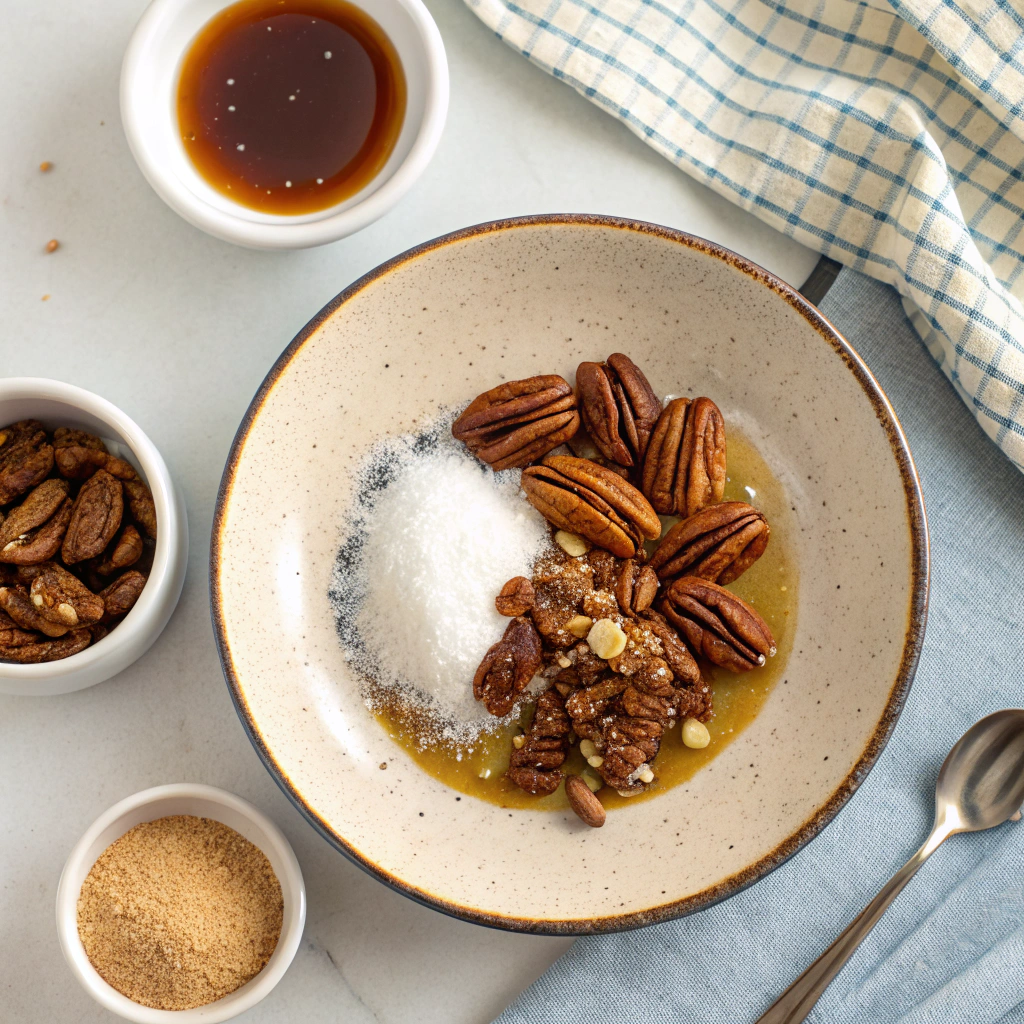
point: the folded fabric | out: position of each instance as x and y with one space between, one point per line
888 136
950 950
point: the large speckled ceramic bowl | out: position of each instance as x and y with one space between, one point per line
436 326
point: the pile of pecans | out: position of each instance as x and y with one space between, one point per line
77 533
621 637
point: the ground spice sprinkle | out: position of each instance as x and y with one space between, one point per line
179 912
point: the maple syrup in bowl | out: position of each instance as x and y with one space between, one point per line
283 123
290 106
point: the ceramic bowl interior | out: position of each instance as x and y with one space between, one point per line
434 328
57 404
204 802
149 84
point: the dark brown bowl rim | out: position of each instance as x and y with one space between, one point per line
897 697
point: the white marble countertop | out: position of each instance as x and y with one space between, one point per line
179 329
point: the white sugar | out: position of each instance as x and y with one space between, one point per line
436 536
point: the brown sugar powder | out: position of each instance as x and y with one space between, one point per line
179 912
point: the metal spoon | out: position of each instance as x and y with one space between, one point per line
981 785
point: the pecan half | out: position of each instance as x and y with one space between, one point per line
140 502
674 651
536 766
11 635
717 544
516 597
18 605
587 704
62 598
684 469
25 458
120 596
580 496
619 408
79 454
95 517
508 667
34 530
519 421
627 744
47 650
636 587
127 550
718 624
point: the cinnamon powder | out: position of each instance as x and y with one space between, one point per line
179 912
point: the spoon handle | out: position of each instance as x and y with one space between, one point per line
797 1001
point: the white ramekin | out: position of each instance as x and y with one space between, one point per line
63 405
204 802
149 83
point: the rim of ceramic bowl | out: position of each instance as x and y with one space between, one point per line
260 985
136 110
145 622
913 640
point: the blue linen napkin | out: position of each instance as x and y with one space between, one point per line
951 948
888 136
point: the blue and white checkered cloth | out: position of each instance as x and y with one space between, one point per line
888 136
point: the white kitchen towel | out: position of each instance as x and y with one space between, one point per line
888 136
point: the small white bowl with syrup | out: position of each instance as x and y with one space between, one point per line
167 38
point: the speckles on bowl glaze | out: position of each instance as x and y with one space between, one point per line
699 320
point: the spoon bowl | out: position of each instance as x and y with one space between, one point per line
981 783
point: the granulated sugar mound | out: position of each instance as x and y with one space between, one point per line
433 538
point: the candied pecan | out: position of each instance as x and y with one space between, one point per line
642 643
560 583
601 604
18 605
34 530
650 693
62 598
141 505
95 517
120 596
606 568
519 421
636 587
126 550
627 744
695 702
79 454
47 650
516 597
26 457
684 469
587 704
718 624
586 499
508 667
536 765
619 408
717 544
11 635
674 651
